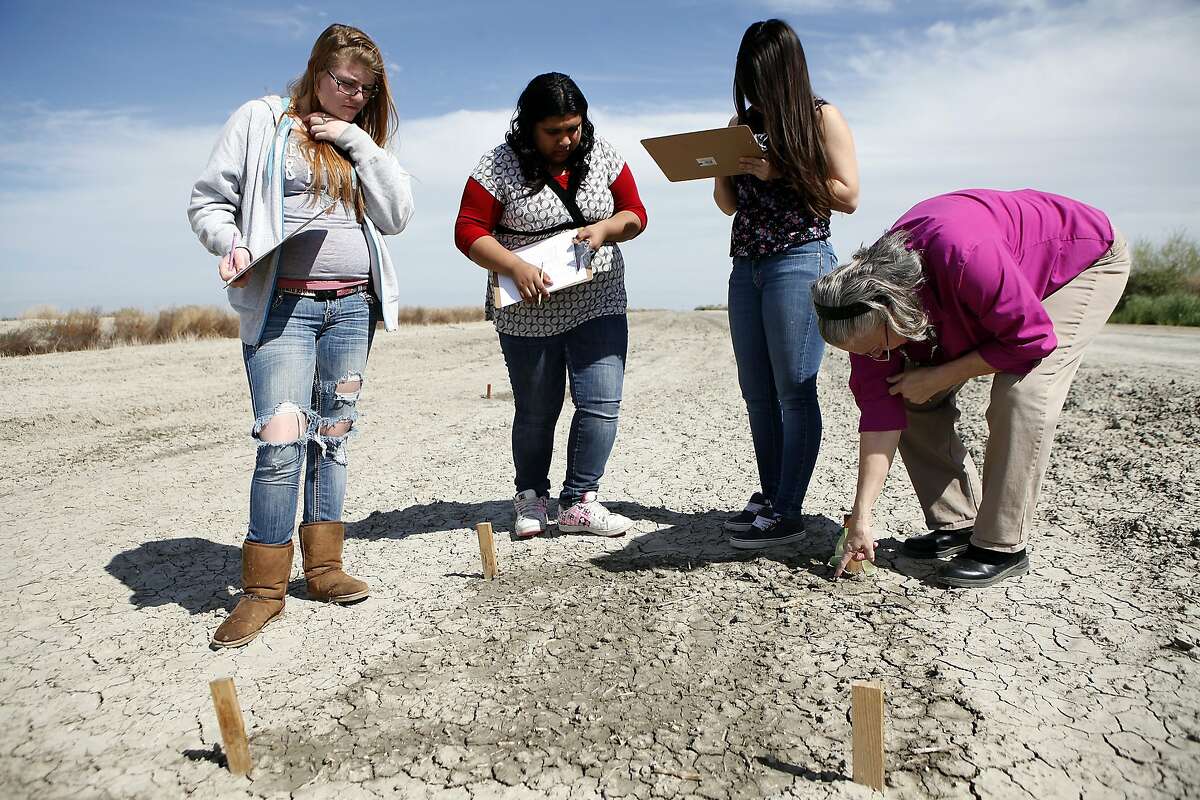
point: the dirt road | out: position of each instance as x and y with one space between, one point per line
661 664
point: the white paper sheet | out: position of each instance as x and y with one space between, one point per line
564 261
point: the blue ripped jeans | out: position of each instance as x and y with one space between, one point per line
309 364
778 351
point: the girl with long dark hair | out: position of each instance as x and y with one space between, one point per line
781 206
307 314
554 174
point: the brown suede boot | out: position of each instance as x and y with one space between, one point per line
321 547
265 572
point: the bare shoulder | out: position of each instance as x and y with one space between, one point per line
832 121
830 114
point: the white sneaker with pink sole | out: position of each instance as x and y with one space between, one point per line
588 516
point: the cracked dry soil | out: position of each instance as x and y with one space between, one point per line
662 664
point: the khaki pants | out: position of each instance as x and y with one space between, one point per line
1022 415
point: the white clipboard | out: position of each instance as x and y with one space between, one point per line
282 241
565 261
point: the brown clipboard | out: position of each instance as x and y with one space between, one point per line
703 154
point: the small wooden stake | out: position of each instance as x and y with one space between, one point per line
866 719
233 729
489 392
487 549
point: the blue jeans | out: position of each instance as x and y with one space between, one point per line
592 355
308 348
778 351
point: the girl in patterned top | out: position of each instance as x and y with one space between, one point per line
780 244
554 174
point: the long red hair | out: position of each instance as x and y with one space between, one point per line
337 45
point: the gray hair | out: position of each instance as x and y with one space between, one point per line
884 279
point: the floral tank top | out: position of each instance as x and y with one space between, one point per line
772 216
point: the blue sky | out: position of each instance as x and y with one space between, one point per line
114 106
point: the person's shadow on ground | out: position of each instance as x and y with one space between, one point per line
436 517
683 541
692 540
191 572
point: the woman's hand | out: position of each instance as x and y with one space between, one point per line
232 264
593 234
760 168
325 127
531 282
917 384
860 544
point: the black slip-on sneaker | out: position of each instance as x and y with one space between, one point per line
937 544
743 521
977 568
769 528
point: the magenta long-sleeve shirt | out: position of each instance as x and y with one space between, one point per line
990 258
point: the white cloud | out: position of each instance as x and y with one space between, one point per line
823 6
295 22
1096 101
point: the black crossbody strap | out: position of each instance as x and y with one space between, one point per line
567 196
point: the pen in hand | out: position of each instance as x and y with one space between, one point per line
232 260
541 276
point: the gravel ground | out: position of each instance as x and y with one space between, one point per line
661 664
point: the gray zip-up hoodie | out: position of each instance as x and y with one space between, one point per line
241 191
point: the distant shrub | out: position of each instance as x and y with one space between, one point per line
712 307
46 330
1168 268
41 312
195 322
133 326
1177 308
420 315
90 330
1164 283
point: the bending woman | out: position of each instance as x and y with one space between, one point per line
780 245
976 282
554 174
309 313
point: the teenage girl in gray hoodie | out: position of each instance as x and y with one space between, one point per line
308 313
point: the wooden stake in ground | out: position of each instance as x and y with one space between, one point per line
233 729
489 392
487 549
866 719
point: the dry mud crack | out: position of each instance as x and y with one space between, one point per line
662 664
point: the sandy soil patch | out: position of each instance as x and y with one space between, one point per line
661 664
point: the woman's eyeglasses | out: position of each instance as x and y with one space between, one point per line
884 351
350 89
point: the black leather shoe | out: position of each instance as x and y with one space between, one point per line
937 544
977 567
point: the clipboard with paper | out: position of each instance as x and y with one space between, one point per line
263 257
562 259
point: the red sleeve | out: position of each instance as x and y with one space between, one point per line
625 195
478 213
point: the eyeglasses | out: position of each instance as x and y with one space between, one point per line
884 351
349 89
